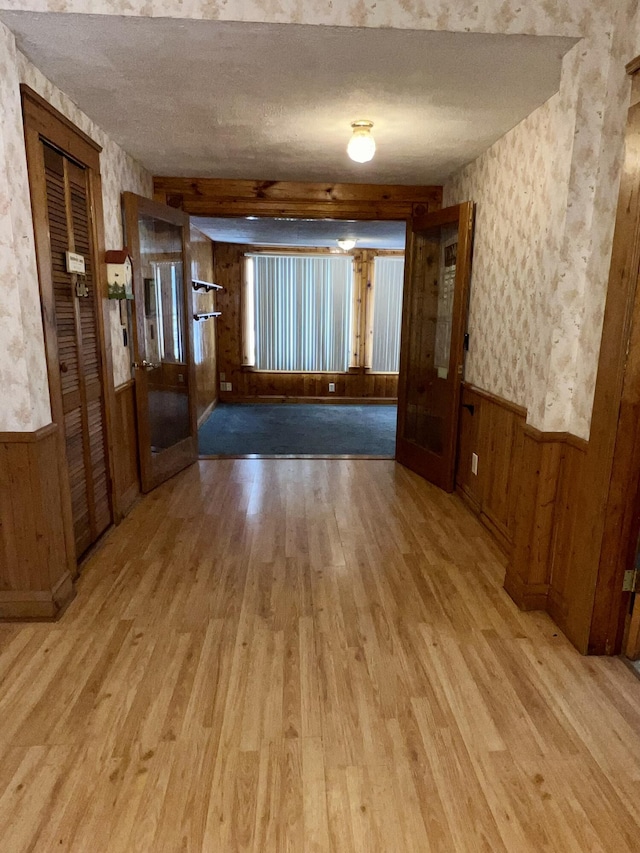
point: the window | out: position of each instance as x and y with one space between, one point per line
388 281
298 312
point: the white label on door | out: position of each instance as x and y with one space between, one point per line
75 263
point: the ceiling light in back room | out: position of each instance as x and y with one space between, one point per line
346 244
362 145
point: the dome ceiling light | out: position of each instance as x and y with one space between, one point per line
346 244
362 145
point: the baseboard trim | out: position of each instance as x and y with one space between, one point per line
30 605
499 536
278 398
207 412
526 596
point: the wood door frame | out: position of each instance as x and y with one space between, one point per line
134 205
44 123
610 496
462 215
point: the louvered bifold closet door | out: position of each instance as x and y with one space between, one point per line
78 350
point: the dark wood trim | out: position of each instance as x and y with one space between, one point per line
28 437
558 437
222 197
499 401
633 66
609 511
43 122
45 118
203 417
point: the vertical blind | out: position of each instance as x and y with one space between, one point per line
388 281
302 310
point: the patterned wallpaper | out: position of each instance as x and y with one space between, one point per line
537 17
546 195
120 173
24 404
519 215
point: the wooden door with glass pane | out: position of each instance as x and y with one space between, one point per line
434 315
158 238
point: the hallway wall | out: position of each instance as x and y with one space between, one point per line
590 118
546 195
120 173
23 376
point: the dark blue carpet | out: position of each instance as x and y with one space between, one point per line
287 428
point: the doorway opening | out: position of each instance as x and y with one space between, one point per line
308 336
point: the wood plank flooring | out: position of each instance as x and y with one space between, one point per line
305 655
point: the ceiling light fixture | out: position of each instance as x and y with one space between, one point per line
346 244
362 145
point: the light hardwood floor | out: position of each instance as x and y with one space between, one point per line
309 656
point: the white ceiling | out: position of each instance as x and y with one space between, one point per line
321 233
275 101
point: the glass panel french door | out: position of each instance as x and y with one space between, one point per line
158 238
437 273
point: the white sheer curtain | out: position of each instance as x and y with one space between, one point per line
302 307
388 281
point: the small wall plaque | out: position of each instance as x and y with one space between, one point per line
75 263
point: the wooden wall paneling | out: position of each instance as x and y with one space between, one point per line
529 571
495 432
220 197
35 579
127 475
204 331
468 483
567 523
501 444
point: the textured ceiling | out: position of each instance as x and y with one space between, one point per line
321 233
275 101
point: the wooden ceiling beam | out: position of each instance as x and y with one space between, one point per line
222 197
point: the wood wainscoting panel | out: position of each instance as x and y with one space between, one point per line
493 429
526 493
528 574
127 468
35 581
566 528
550 478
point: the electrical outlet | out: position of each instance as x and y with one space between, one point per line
474 464
332 387
223 377
181 377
